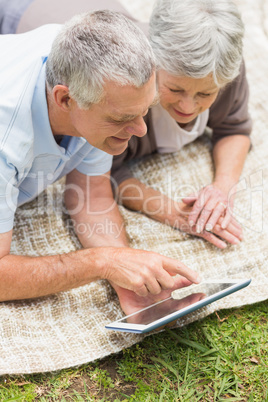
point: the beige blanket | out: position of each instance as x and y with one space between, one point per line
67 329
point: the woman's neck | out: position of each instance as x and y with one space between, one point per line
188 126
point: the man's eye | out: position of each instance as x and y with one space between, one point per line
116 121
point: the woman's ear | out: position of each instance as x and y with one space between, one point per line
61 97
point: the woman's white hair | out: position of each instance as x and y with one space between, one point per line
96 47
195 38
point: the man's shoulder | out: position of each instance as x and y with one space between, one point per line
22 59
21 55
22 46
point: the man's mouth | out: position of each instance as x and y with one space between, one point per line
121 139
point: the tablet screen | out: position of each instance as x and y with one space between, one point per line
178 303
180 299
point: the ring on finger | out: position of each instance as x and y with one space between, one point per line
222 204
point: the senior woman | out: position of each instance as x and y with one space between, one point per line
201 82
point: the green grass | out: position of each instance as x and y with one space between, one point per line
223 357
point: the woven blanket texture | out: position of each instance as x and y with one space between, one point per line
67 329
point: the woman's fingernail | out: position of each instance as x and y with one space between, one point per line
191 223
198 229
208 227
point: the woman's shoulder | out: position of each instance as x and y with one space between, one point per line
229 113
232 95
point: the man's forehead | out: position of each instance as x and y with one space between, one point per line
128 100
131 112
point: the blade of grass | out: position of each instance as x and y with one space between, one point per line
222 385
189 394
209 352
187 364
167 366
162 394
187 342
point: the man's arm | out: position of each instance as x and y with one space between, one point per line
90 203
142 272
25 277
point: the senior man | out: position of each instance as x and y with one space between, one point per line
71 97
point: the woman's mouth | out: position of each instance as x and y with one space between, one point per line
183 114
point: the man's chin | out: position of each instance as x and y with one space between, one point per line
116 150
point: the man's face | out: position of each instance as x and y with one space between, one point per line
110 124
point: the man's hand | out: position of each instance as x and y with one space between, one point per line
130 302
142 272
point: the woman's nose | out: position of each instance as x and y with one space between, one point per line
187 104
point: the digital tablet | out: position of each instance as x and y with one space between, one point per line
181 302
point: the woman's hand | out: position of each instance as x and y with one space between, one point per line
208 206
138 197
217 236
216 200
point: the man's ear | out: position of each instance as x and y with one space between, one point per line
62 98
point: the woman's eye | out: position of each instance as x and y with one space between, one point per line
203 95
175 90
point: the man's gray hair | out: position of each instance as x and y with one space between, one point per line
96 47
196 38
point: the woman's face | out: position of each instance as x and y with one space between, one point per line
184 98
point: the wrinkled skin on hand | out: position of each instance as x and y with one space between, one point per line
130 302
143 272
232 234
208 206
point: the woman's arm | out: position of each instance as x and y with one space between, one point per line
138 197
217 199
231 124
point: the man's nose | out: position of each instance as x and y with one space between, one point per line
137 127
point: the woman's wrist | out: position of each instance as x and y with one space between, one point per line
225 183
